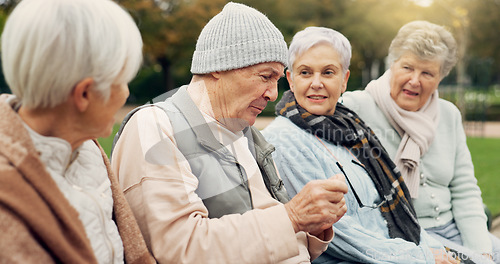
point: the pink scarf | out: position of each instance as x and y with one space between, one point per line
417 129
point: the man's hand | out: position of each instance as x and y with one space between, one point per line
442 257
318 205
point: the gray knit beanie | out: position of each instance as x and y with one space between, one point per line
237 37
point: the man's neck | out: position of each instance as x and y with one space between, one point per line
198 92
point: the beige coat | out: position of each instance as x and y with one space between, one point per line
37 223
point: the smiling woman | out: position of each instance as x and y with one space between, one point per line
317 79
318 138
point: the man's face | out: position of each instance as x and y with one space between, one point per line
241 94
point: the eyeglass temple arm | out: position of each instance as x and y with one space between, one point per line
350 185
363 166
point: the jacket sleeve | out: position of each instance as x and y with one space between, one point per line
299 163
353 242
173 219
467 204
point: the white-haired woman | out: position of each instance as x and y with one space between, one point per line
316 138
425 137
68 64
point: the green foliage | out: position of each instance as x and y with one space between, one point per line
170 28
481 103
4 88
107 143
486 161
484 20
147 85
3 18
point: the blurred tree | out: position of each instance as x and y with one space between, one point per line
8 5
454 15
169 29
369 25
370 34
484 21
5 9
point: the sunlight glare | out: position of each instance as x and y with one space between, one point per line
423 3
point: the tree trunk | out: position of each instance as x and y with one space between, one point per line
166 67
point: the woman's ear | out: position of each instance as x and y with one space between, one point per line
289 79
81 94
344 83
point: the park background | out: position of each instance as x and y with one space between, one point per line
170 29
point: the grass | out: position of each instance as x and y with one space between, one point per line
485 157
107 143
486 161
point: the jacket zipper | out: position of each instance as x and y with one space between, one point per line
103 219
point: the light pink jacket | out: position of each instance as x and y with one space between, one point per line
174 220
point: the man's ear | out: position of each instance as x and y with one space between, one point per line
81 94
216 75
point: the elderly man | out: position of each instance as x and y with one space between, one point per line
200 180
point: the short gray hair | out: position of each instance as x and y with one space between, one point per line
311 36
48 46
427 41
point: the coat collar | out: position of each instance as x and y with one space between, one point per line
15 142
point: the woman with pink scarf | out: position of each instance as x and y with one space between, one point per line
425 137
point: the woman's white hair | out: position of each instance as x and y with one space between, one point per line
311 36
48 46
427 41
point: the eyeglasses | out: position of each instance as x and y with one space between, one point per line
361 205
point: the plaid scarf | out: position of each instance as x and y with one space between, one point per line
345 128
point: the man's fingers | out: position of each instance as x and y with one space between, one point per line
338 176
335 183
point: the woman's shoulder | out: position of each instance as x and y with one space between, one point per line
364 105
282 131
279 124
450 115
448 107
355 99
357 94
